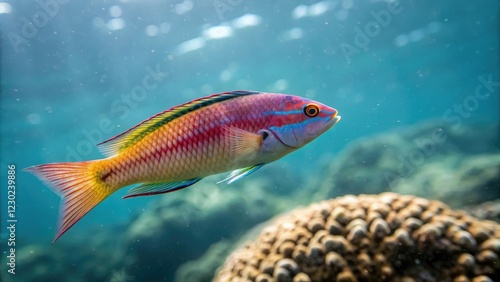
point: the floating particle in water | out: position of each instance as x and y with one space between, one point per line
183 7
311 93
434 27
207 89
293 34
318 9
34 118
217 32
243 83
401 40
299 12
416 35
190 45
280 85
152 30
5 8
246 20
225 75
341 15
115 11
115 24
347 4
98 22
165 28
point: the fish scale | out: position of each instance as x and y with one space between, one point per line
184 149
237 131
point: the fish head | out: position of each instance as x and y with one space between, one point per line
297 120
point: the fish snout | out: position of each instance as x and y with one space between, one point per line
334 118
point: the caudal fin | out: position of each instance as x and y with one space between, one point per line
77 186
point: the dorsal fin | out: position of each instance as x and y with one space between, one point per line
126 139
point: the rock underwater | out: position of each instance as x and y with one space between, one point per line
387 237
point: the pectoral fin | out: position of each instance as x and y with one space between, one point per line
243 144
240 173
159 188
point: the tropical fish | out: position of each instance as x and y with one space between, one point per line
237 131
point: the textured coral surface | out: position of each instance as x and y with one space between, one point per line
387 237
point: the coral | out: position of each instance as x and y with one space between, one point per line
387 237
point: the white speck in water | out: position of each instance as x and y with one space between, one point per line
341 15
34 118
318 9
207 89
280 84
217 32
98 22
152 30
5 8
115 11
310 93
401 40
299 12
416 35
434 27
246 21
183 7
165 27
190 45
347 4
293 34
115 24
225 75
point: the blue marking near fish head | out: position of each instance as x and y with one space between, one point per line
301 120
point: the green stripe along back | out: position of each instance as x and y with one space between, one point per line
130 137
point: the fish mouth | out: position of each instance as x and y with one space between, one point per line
335 119
332 121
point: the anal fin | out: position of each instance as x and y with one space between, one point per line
147 189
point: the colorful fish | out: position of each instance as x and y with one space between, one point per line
239 131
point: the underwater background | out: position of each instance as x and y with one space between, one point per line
420 76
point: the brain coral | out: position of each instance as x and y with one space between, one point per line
387 237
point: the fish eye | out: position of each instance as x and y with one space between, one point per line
311 110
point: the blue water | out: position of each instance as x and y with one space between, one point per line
78 78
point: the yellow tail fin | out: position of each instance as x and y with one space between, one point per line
77 185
